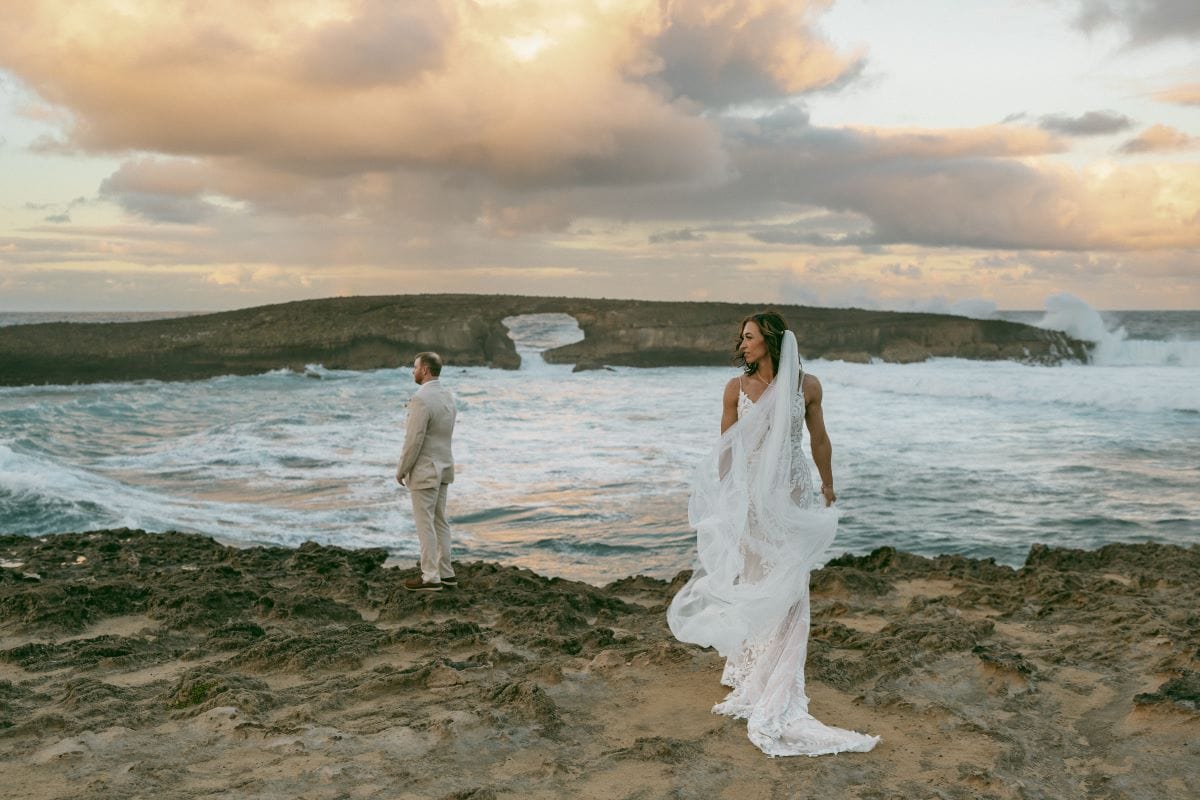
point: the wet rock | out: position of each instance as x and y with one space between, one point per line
528 701
335 646
481 793
1182 692
847 581
607 660
639 585
678 582
308 607
234 636
206 688
70 607
17 704
83 653
440 634
336 571
1183 562
188 604
661 749
1005 659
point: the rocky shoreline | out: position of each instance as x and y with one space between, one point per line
361 333
167 665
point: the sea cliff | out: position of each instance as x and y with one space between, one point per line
362 333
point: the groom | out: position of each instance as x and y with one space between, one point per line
426 468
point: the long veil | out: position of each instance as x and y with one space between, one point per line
757 536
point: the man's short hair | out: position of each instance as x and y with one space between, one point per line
432 361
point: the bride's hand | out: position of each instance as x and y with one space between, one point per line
829 495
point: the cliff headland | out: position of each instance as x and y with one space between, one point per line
363 333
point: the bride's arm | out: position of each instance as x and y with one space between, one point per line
729 404
822 448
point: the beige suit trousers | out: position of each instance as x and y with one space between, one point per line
433 532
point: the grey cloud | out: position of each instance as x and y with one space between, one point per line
160 191
1092 123
901 270
824 229
58 218
681 235
997 262
740 53
165 208
786 235
387 42
1145 21
1071 264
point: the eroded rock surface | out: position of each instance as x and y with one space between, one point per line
167 665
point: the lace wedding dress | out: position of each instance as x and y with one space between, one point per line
759 532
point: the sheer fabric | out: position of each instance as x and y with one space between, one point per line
759 532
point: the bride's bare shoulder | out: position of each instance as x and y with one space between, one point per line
733 387
810 387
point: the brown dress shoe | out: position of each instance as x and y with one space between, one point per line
451 582
418 585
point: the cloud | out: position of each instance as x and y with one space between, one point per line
606 94
1061 265
515 220
1092 123
798 288
459 142
385 43
960 188
324 93
269 275
902 270
866 143
176 177
160 190
1160 139
726 53
787 234
681 235
1143 21
1185 94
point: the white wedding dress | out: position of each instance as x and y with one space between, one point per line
760 531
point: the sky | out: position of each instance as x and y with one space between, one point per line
932 154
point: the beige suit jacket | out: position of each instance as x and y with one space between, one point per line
426 460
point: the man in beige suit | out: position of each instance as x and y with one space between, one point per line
426 468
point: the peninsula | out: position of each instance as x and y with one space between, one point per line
361 333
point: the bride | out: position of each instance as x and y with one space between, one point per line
759 532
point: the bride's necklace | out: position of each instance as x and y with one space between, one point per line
765 382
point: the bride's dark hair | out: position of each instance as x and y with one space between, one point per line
772 325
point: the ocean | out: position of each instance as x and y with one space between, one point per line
585 475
